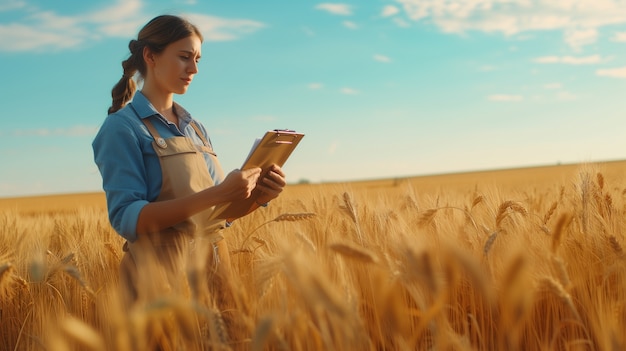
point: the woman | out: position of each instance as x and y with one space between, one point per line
161 176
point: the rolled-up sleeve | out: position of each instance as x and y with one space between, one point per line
119 156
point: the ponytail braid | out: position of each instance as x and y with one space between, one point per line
125 88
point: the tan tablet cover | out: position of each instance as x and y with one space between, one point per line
274 148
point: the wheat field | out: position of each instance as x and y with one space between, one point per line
520 259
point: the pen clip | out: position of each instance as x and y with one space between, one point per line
285 138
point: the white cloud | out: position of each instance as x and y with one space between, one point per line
487 68
401 23
570 60
349 91
565 96
350 25
222 29
579 20
612 72
619 37
19 37
553 86
382 58
577 38
39 30
74 131
335 8
126 29
315 86
120 11
9 5
389 11
505 98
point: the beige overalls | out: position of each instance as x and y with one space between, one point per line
160 263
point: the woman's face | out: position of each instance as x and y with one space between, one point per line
172 70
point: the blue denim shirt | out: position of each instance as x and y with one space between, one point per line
130 168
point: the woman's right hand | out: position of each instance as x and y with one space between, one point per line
239 184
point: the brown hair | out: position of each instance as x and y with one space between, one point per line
156 35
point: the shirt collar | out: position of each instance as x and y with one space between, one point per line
144 108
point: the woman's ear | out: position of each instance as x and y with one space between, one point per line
148 56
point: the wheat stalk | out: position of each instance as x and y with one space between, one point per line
113 250
293 217
615 245
285 217
550 212
5 271
508 207
71 257
350 208
426 216
477 200
305 239
558 230
551 285
585 193
562 274
75 274
84 335
490 240
262 334
355 252
600 179
266 273
37 269
409 203
514 271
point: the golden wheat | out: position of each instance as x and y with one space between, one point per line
409 280
507 208
559 230
354 252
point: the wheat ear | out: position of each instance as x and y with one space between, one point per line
490 240
508 207
558 231
352 251
285 217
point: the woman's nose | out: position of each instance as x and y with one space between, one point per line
193 67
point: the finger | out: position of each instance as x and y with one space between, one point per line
272 184
250 172
277 169
278 179
269 192
274 180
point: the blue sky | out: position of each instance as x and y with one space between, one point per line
381 88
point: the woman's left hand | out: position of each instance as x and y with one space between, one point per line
271 185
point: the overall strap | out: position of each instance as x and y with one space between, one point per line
151 128
199 132
157 137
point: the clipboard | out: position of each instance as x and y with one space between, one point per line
274 147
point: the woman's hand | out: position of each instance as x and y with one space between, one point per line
239 184
271 185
